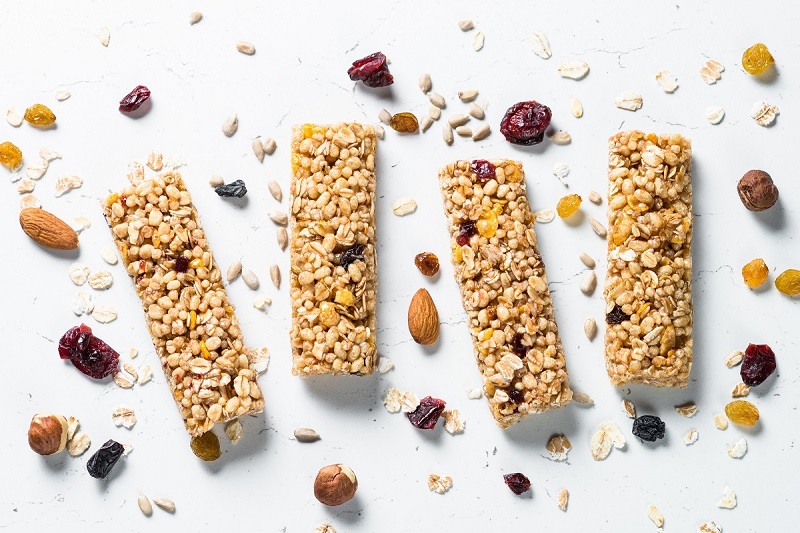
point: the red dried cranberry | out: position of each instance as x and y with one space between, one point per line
525 123
134 99
427 413
517 346
181 264
89 354
466 230
758 364
516 396
517 482
372 70
484 170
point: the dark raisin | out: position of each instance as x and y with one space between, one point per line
484 170
351 255
649 428
235 188
181 264
517 482
525 123
466 230
100 464
427 413
517 346
89 354
758 364
134 99
427 263
516 396
617 316
372 70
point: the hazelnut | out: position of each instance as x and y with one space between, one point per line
47 434
335 484
757 190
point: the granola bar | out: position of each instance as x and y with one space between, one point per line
504 289
333 267
648 287
195 332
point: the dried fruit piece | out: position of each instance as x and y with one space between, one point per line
372 70
568 205
649 428
39 115
134 99
427 413
617 316
755 273
466 230
10 156
100 464
404 123
234 189
789 282
758 364
484 170
517 482
206 446
427 263
742 412
89 354
757 59
351 255
525 123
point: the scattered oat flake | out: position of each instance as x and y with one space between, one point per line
49 155
691 437
385 365
655 515
29 200
25 186
15 177
465 25
133 353
260 360
439 484
100 280
688 409
582 398
574 70
561 171
560 137
612 430
452 421
541 45
122 381
155 161
667 80
109 254
734 358
740 390
82 303
545 215
245 48
396 401
563 499
145 375
123 416
709 527
104 36
478 41
13 117
78 273
601 445
81 223
711 71
629 100
728 500
37 170
324 528
66 183
78 444
559 446
721 422
715 114
404 206
234 430
104 313
261 302
738 449
628 408
763 113
195 17
62 95
474 393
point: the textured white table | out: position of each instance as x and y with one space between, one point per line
297 75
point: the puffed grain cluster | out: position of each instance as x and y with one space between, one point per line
194 330
333 264
648 287
504 291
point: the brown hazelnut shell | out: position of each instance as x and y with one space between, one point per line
335 484
757 191
47 434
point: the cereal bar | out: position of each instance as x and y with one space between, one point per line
504 288
333 267
195 332
648 288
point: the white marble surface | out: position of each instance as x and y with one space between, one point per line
298 74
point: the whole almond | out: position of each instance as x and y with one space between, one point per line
423 318
47 229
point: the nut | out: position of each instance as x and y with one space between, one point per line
48 434
335 484
757 190
47 229
423 318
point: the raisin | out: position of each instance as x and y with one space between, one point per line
235 188
757 365
206 446
100 464
516 396
89 354
484 170
755 273
10 156
617 316
742 412
404 123
427 413
134 99
351 255
39 115
525 123
789 282
466 230
517 482
757 59
487 222
517 346
427 263
649 428
568 205
181 264
371 70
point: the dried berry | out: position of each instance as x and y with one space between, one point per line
525 123
742 412
517 482
235 188
789 282
404 123
427 263
181 264
617 316
757 365
484 170
134 99
516 396
757 190
10 156
466 230
568 205
89 354
427 413
757 59
517 346
39 115
755 273
100 464
206 446
649 428
351 255
372 70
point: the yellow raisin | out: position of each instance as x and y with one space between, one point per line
789 282
487 223
757 59
39 115
568 205
742 412
755 273
10 156
206 446
404 123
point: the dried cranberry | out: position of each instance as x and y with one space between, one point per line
649 428
372 70
617 316
100 464
758 364
89 354
525 123
516 396
351 255
484 170
134 99
466 230
516 345
427 413
181 264
517 482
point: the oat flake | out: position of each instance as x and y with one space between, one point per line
574 70
614 433
629 100
691 437
78 273
763 113
123 416
37 170
688 410
728 500
474 393
404 206
559 446
628 408
545 215
13 117
66 183
709 527
452 421
385 365
82 303
478 41
655 515
29 200
25 186
100 280
109 254
667 80
541 45
104 313
563 499
714 114
601 445
711 71
145 375
738 449
561 171
395 401
439 484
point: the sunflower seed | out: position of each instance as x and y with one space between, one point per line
468 95
589 282
275 275
104 313
478 41
458 120
270 145
629 100
144 504
283 238
576 108
667 80
250 278
258 149
234 270
481 132
582 398
560 137
279 217
404 206
763 113
590 328
437 100
195 17
464 131
710 71
123 416
595 197
245 47
145 375
234 430
425 123
78 444
384 116
425 83
655 515
306 435
216 181
13 117
628 408
587 260
720 422
447 133
545 215
477 111
104 36
715 114
62 95
165 503
434 112
465 25
574 70
598 227
275 190
230 125
541 45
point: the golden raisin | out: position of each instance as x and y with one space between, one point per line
789 282
742 412
427 263
757 59
39 115
10 156
487 223
404 123
568 205
206 446
755 273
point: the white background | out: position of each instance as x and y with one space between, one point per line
299 75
